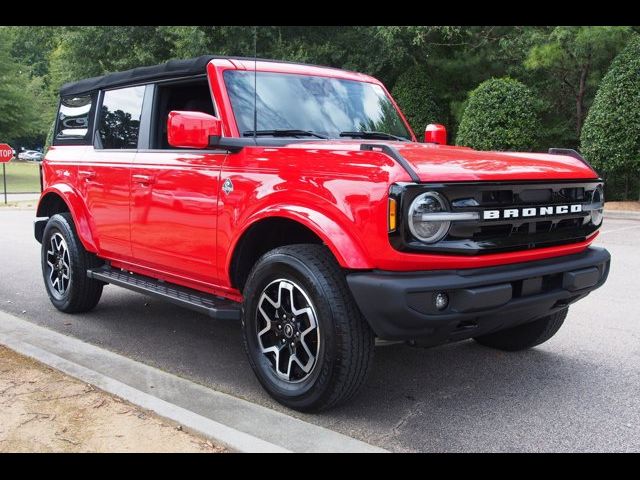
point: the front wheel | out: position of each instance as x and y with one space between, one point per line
525 336
306 340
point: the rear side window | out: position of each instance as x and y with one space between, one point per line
119 121
74 119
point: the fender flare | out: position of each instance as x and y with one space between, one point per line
79 212
347 250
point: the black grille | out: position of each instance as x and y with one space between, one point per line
501 235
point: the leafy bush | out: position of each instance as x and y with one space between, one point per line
610 138
501 114
418 100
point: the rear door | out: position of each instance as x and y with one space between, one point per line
105 177
174 192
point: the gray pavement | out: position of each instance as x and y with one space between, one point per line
19 197
580 391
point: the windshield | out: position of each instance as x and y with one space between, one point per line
321 105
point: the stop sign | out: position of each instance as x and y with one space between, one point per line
6 153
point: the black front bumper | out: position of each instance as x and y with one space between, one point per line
400 306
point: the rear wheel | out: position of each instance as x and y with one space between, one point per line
64 267
305 338
525 336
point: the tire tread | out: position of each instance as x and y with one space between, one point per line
86 292
354 337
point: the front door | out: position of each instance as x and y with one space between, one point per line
174 196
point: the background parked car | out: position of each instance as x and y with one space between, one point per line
31 155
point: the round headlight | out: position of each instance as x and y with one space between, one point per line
428 231
597 200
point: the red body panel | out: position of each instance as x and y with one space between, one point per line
163 213
440 163
174 212
60 178
104 185
435 133
443 163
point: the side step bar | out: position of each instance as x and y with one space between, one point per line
215 307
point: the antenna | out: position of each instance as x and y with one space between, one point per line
255 84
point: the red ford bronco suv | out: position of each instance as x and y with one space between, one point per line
296 199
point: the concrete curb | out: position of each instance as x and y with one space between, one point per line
622 214
229 437
238 424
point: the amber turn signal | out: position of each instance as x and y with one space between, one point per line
392 214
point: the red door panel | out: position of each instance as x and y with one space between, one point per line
174 199
104 182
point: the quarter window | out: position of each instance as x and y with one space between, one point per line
74 117
119 124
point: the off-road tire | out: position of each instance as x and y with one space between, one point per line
346 342
83 293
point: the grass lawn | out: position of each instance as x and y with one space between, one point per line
22 177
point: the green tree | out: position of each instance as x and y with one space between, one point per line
89 51
20 99
360 48
31 46
462 58
501 114
577 57
550 60
610 138
415 93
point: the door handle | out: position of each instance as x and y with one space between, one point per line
143 179
87 174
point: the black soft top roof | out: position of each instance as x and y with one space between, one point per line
172 68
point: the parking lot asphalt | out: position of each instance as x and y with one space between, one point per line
580 391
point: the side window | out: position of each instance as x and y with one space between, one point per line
119 123
74 119
191 95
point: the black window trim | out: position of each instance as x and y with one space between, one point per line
207 151
146 120
96 119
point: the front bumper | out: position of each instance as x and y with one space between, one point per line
400 306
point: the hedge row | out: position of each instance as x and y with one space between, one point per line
504 114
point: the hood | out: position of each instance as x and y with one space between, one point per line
443 163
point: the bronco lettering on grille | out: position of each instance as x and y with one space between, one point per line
530 212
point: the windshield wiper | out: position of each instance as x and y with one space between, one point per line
369 134
282 133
